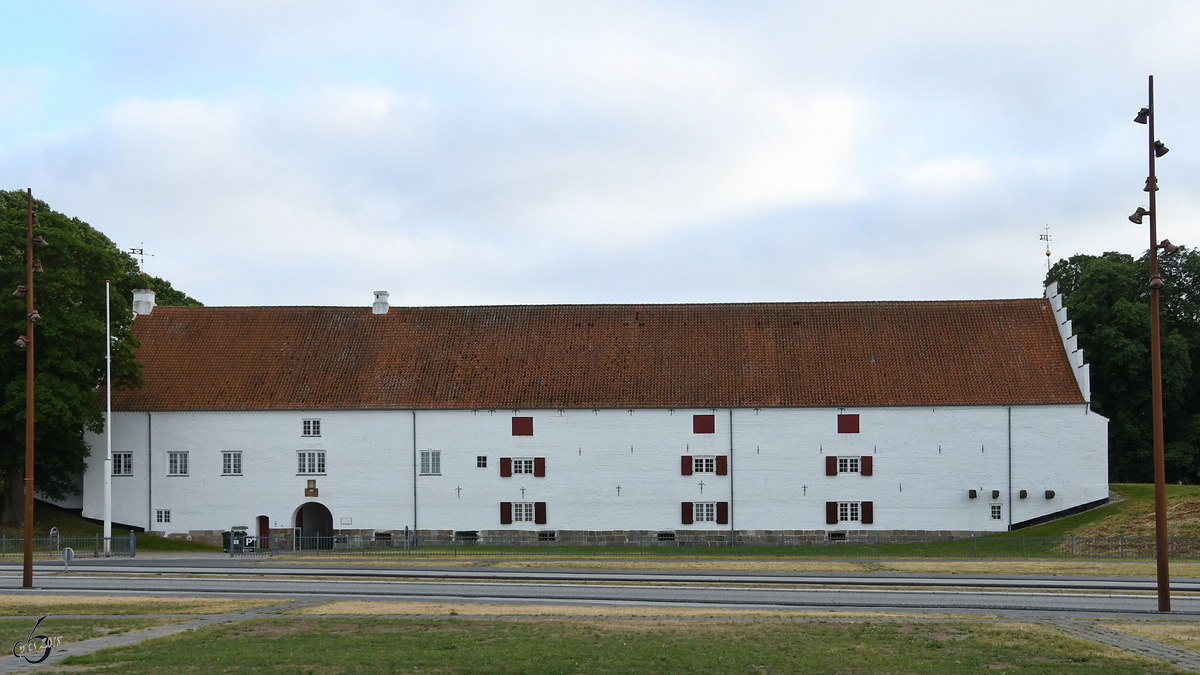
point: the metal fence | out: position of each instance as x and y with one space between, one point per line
121 546
683 545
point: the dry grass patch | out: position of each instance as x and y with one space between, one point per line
1186 635
387 608
24 604
1081 568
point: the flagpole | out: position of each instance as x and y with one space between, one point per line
108 421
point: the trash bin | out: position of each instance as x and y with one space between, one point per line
226 536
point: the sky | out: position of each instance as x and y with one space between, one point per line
310 153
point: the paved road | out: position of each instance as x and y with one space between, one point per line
1054 597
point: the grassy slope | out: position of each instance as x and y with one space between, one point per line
46 516
1133 517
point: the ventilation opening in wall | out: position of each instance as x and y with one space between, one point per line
666 536
547 536
837 536
466 536
383 536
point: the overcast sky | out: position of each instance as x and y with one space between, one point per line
309 153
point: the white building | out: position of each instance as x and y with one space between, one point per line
783 417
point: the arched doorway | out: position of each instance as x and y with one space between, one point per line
315 523
264 532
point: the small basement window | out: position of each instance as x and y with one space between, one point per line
547 536
666 536
837 536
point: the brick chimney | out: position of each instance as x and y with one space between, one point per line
380 306
143 301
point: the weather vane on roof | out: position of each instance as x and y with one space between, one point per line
140 251
1046 238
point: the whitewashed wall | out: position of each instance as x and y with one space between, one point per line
925 461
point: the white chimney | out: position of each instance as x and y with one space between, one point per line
143 301
380 306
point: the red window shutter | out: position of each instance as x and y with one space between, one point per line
686 513
864 466
830 465
867 513
831 513
704 424
847 424
506 513
506 467
539 513
539 467
722 465
685 465
722 513
522 426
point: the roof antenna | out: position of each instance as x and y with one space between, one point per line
1046 238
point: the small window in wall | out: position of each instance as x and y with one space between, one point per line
704 512
848 465
163 516
431 462
311 428
311 462
847 424
997 511
522 426
177 464
522 465
481 461
122 464
704 424
849 512
231 463
704 465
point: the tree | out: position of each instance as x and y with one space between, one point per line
69 344
1108 300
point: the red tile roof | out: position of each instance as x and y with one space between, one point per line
601 356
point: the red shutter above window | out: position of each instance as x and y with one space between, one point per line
722 513
830 465
722 465
506 467
506 513
831 513
847 424
685 465
686 513
539 513
704 424
522 426
539 467
867 513
864 466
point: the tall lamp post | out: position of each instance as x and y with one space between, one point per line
32 266
1157 149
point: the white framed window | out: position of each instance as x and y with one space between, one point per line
848 464
523 465
997 512
704 465
231 463
704 512
848 512
481 461
163 516
522 512
177 464
122 464
311 461
311 427
431 462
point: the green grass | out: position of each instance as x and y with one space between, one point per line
75 630
46 516
297 646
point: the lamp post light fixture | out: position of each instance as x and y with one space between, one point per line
1156 149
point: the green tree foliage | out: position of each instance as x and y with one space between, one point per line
69 342
1108 300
